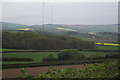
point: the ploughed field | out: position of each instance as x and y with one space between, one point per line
13 73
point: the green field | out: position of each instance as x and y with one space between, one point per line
93 53
23 50
37 56
13 50
13 62
107 47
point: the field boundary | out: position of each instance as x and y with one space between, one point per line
26 51
92 50
52 63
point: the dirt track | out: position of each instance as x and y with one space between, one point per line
12 73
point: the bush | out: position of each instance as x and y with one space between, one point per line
81 56
50 57
67 54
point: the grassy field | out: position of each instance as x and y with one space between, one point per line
93 53
37 56
23 50
13 50
107 47
12 62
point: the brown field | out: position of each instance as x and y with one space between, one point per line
13 73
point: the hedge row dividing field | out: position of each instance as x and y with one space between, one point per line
97 48
52 63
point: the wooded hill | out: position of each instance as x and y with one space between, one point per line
30 40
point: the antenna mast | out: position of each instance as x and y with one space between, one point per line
51 17
43 14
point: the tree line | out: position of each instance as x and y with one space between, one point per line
72 54
30 40
17 59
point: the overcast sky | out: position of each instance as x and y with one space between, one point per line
31 13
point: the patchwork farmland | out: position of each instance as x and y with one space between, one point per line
38 56
67 50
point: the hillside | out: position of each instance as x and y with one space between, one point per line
94 28
12 26
93 33
59 27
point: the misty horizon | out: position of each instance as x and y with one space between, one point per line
56 24
67 13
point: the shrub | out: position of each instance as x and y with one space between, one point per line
81 56
50 57
67 54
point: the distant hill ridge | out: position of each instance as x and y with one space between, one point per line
54 27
